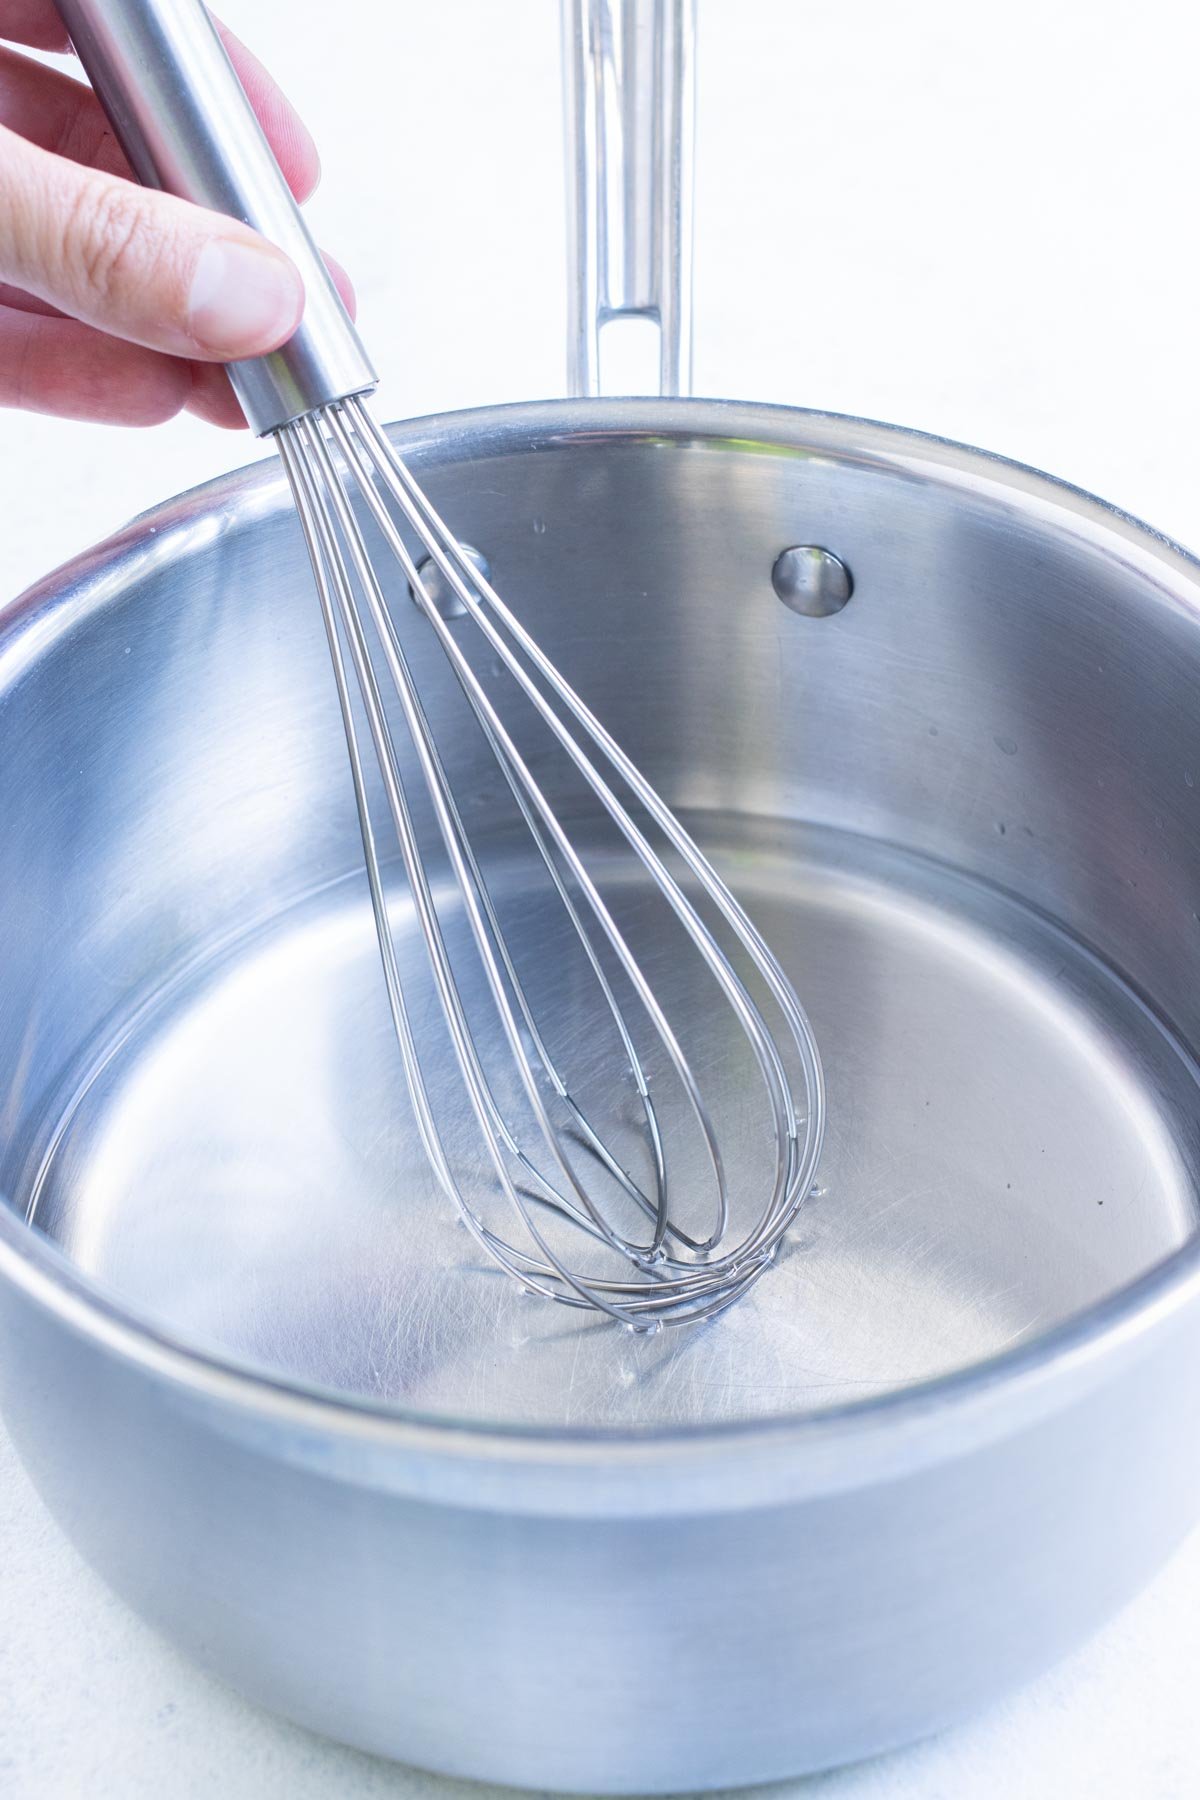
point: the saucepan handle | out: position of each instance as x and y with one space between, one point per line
182 117
629 85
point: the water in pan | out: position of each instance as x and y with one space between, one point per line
1003 1149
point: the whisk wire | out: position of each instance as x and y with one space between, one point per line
335 508
472 588
448 557
520 778
662 1285
438 786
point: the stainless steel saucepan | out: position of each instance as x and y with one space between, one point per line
935 717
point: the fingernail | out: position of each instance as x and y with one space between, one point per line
246 299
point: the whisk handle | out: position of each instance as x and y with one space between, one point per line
182 117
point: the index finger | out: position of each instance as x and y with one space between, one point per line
37 23
34 22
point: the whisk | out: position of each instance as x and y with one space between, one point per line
554 1196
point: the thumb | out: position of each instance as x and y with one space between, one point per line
139 264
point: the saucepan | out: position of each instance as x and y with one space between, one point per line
935 717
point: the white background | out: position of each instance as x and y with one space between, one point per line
976 220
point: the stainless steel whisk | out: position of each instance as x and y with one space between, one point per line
178 108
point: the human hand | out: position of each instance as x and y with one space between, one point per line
118 303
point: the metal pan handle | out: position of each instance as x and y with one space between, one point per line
629 85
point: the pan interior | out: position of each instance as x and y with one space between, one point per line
1007 1144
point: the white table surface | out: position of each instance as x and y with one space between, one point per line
979 221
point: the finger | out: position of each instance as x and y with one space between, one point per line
342 283
58 113
37 23
210 397
141 264
285 130
213 399
33 22
22 302
60 366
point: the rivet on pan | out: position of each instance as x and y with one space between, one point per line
811 581
440 592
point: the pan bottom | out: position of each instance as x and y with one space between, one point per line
1010 1139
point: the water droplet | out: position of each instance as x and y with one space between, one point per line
539 526
816 1190
643 1327
530 1293
1007 744
1189 780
